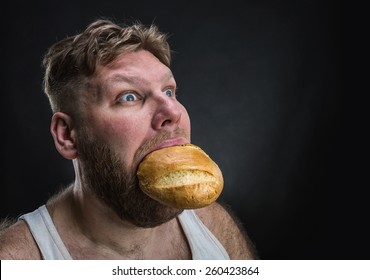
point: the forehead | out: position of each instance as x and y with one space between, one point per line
139 67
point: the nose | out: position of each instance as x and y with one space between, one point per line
167 112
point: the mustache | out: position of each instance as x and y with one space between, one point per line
159 138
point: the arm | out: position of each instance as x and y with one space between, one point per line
229 231
16 242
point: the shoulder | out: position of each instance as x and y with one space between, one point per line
228 230
17 243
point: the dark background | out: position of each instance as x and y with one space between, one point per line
263 83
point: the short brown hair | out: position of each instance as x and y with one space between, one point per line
70 62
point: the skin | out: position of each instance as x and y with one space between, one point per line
135 104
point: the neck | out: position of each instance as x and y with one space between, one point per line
85 222
91 229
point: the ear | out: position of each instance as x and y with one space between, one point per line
63 131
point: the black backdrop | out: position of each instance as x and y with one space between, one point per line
263 84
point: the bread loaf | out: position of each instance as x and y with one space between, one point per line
180 176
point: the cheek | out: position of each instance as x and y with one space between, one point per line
185 122
122 135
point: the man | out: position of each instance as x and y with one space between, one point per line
113 98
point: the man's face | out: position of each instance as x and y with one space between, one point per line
135 112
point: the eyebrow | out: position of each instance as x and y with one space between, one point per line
134 79
131 79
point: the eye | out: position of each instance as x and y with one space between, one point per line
170 92
128 97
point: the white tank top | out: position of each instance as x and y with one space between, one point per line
203 244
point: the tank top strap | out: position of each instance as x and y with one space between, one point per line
203 244
46 235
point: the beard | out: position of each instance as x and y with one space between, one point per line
105 175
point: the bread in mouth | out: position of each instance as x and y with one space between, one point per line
181 176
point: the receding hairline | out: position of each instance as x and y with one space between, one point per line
71 62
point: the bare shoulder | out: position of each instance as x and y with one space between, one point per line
228 230
16 242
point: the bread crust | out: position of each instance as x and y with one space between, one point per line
181 176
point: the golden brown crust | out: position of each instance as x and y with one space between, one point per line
181 176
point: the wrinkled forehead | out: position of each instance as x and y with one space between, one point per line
139 68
